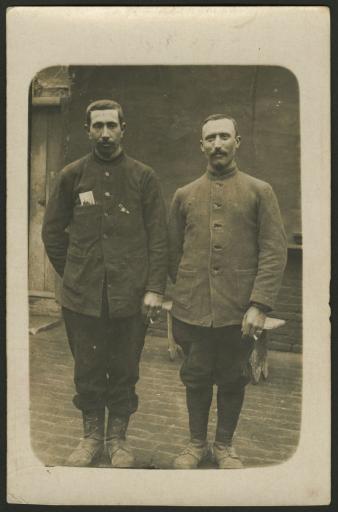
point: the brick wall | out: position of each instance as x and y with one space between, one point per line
289 307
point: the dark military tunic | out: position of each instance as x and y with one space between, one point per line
121 238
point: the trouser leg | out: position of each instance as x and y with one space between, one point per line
87 343
198 404
199 354
196 375
86 336
231 376
125 340
229 405
232 357
125 343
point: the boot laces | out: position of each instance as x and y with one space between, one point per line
226 451
88 446
192 448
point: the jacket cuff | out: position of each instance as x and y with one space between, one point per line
262 307
154 289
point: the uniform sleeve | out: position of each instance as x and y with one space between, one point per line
272 250
176 235
154 214
57 217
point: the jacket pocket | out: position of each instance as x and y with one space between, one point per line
184 287
86 225
245 283
72 277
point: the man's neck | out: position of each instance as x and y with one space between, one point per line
223 170
108 158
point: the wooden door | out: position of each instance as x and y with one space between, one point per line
46 160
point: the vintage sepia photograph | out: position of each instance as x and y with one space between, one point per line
168 337
130 368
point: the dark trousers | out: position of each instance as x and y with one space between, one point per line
106 354
213 356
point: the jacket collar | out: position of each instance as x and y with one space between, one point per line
113 161
227 173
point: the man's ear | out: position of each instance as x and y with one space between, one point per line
87 128
123 127
238 140
201 145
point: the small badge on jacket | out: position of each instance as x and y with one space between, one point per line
87 198
123 209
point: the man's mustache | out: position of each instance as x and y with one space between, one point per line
105 141
218 152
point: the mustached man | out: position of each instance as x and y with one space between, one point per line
227 257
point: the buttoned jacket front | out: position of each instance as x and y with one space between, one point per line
121 238
227 248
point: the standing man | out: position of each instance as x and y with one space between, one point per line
227 257
105 233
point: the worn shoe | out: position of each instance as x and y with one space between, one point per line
92 444
119 453
85 453
226 457
191 456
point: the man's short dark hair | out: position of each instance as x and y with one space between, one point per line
215 117
104 105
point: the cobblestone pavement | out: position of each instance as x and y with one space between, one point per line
267 433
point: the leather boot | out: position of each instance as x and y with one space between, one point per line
120 454
91 445
198 403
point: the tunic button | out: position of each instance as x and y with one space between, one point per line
105 236
217 205
107 174
107 194
106 214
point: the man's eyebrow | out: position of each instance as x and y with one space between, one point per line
104 122
217 133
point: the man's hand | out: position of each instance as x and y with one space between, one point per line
152 305
253 322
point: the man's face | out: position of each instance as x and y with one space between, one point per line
106 132
219 142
